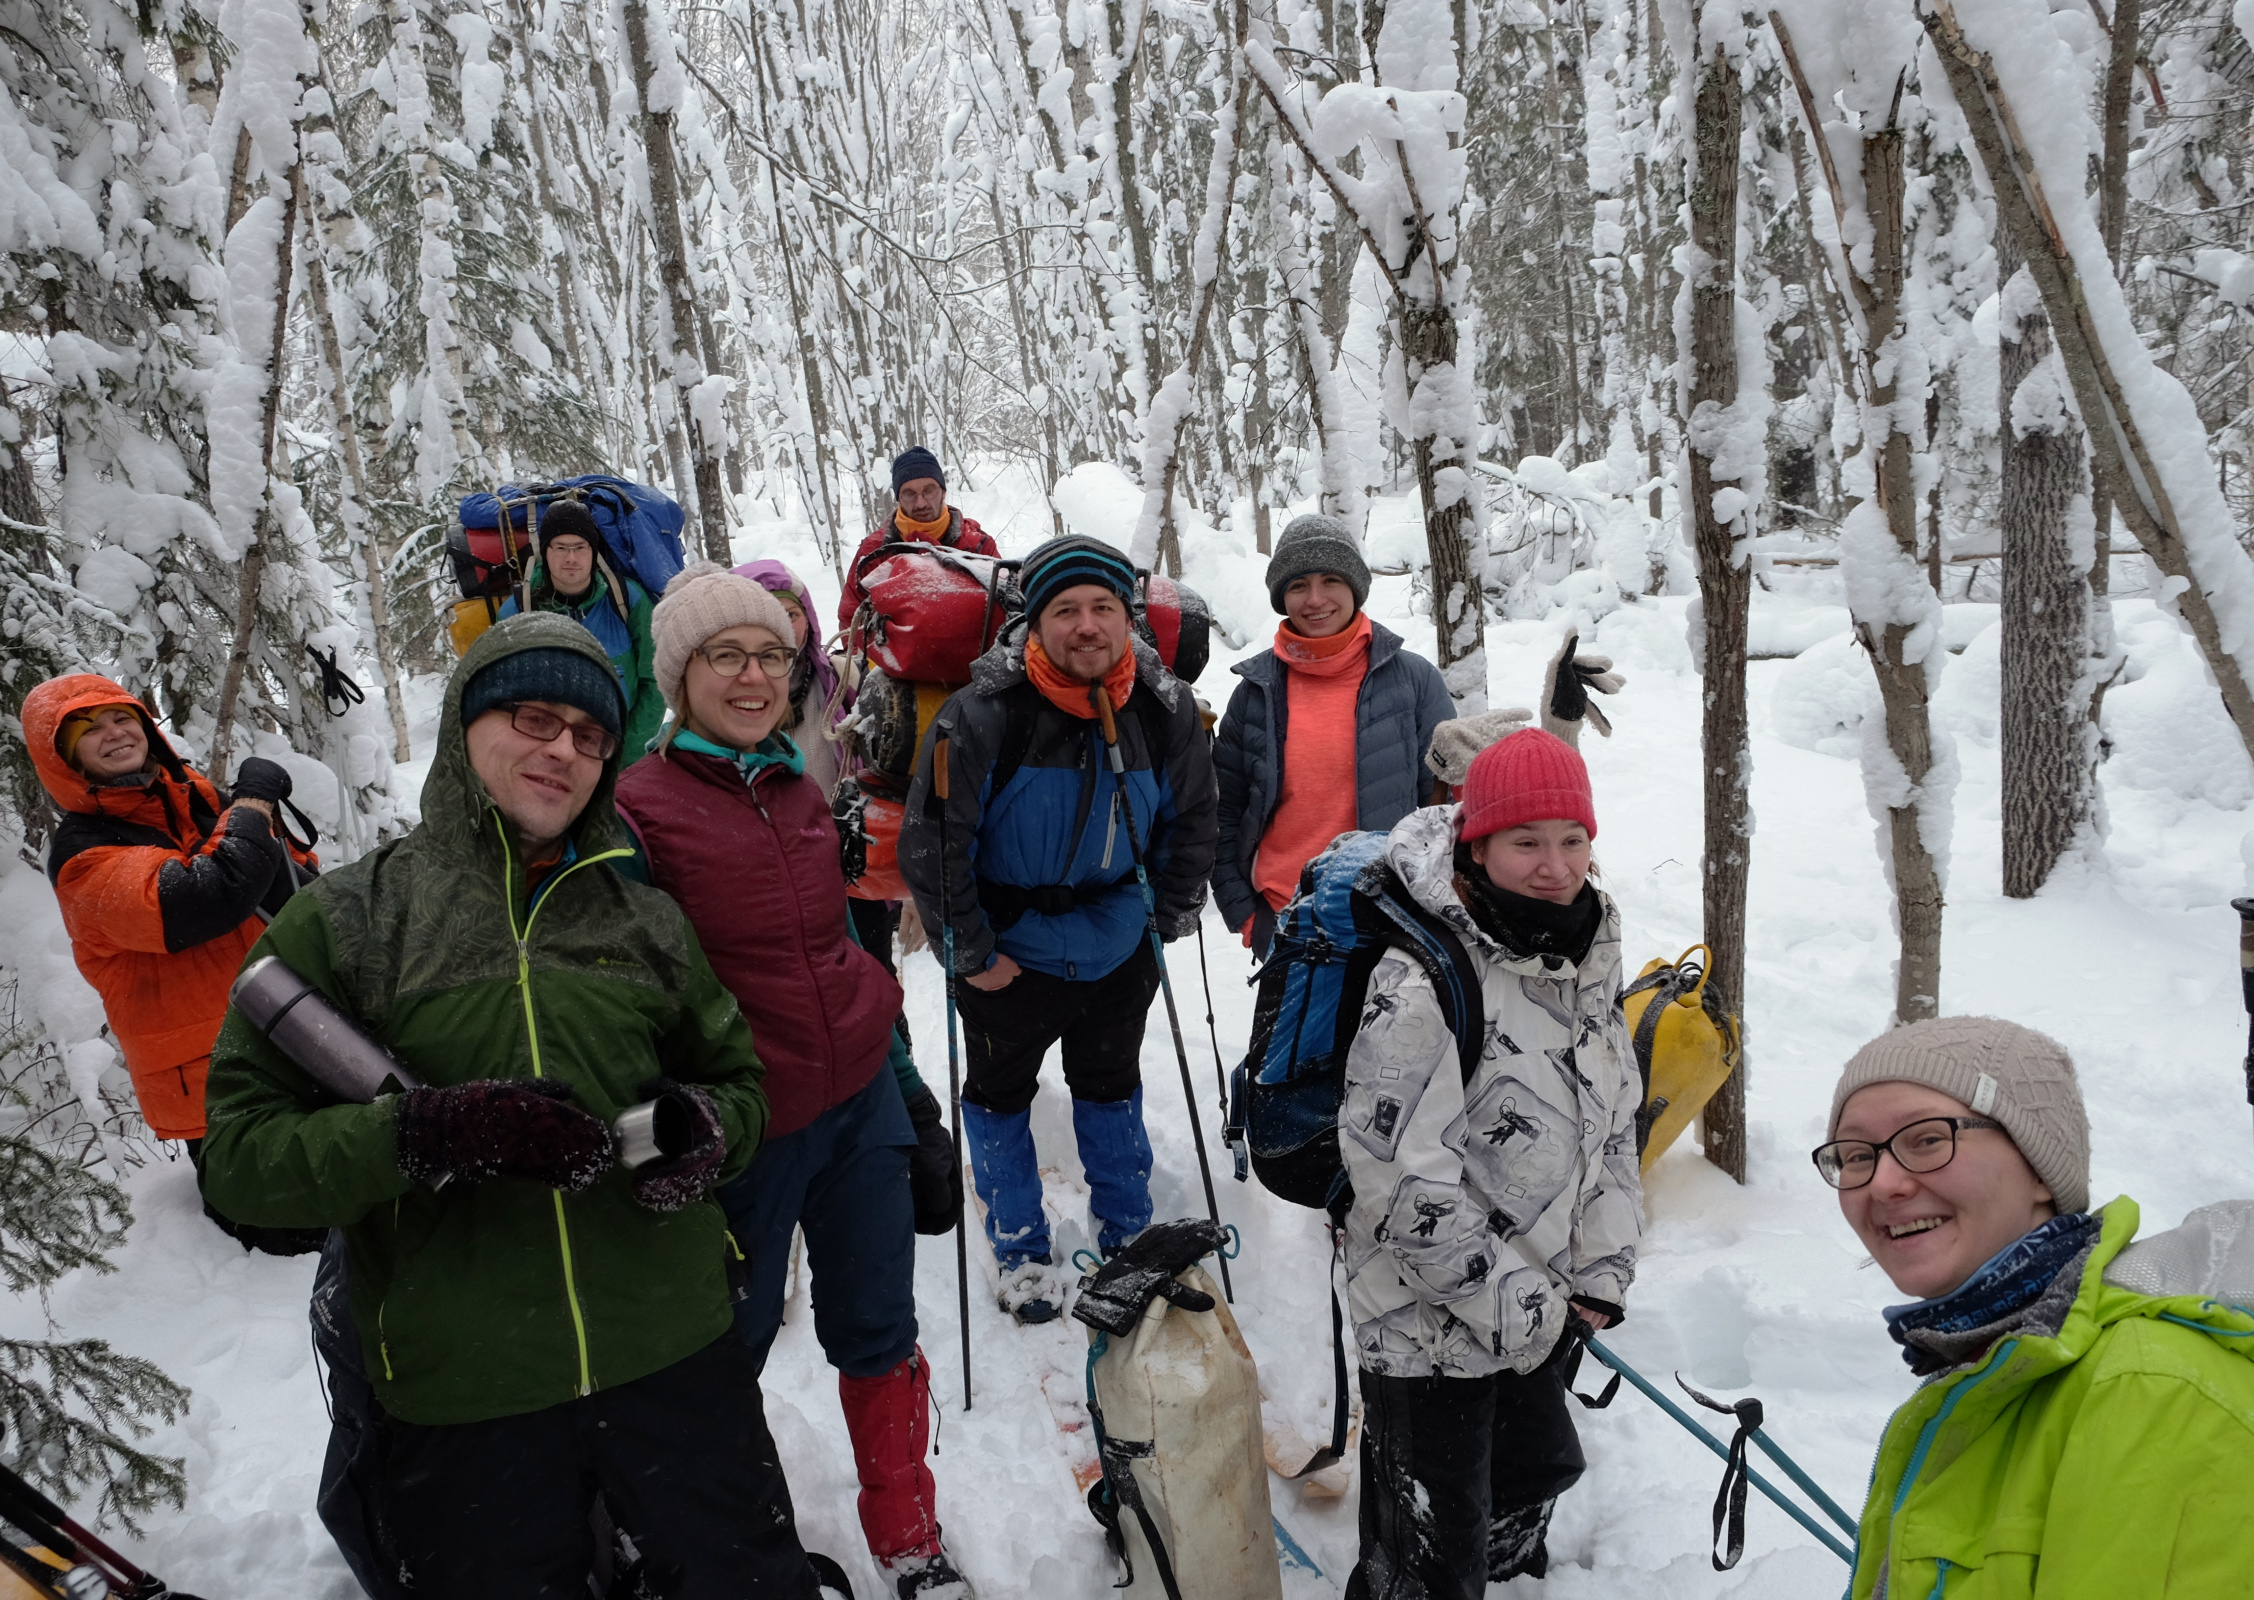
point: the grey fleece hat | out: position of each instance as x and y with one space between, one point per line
1313 544
2021 1078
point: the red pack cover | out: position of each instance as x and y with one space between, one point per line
930 613
880 874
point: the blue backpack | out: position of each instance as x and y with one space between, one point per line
1350 909
640 526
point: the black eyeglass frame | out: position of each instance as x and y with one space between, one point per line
1878 1148
790 665
517 708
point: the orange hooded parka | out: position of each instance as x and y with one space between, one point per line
162 888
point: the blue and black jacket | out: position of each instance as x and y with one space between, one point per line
1037 863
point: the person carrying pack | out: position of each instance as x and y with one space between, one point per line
1359 708
1032 858
576 576
1492 1198
2088 1401
920 514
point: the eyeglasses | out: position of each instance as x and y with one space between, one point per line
728 661
1923 1146
590 740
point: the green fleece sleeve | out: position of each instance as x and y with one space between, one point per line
279 1151
710 1046
647 714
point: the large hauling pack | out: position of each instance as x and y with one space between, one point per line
496 538
930 612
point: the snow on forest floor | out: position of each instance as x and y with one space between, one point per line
1754 1290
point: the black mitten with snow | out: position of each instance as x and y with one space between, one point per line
1116 1294
260 779
1565 691
685 1175
935 1178
502 1128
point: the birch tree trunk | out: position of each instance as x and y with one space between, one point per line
1725 575
679 342
2049 748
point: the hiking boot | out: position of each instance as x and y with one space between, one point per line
1033 1291
1516 1542
930 1576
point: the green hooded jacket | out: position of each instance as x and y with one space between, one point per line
2113 1458
492 1299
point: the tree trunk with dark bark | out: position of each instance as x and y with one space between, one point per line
2048 773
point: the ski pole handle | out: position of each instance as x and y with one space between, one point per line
939 769
1108 723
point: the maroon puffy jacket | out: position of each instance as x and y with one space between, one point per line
756 868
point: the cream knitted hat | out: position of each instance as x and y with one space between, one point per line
2021 1078
702 600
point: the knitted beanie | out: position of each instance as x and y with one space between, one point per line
560 677
913 463
1531 776
703 599
2015 1075
1066 563
568 519
1313 544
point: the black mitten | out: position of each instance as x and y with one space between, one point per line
260 779
935 1178
1116 1294
502 1128
673 1181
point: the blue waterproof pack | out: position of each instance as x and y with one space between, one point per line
1351 907
640 526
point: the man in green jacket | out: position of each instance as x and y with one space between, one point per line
2088 1414
537 1320
575 577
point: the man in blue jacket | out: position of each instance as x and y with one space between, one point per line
1033 861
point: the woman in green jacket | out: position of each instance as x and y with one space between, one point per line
2087 1420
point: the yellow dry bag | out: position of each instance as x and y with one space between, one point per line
1686 1046
469 619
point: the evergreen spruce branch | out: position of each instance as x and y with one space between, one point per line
68 1409
59 1215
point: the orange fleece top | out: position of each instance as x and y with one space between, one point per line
1315 802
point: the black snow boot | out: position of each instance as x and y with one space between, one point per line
1515 1543
927 1577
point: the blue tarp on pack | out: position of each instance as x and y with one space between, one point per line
640 525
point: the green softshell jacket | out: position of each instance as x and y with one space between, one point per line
492 1299
2112 1459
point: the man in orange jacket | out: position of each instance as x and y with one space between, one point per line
163 881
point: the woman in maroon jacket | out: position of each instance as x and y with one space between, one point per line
856 1154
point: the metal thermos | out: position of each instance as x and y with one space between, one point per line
303 1025
654 1129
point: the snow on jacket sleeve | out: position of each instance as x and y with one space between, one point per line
1235 763
972 737
1182 843
1608 1218
162 901
1402 1132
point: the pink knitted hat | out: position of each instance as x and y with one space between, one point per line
1532 776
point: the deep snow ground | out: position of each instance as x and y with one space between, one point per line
1760 1289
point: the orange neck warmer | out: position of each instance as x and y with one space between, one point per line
1344 651
1069 694
929 532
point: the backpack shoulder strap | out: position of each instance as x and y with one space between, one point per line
1433 945
1020 706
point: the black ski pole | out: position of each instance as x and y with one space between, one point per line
1220 1072
939 760
1110 728
2245 910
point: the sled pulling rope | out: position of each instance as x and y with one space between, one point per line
1110 726
1729 1503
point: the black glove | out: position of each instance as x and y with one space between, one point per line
673 1181
260 779
1116 1294
1565 691
1174 925
502 1128
935 1178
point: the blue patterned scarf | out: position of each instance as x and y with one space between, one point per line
2006 1285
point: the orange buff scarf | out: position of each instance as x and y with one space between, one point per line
1344 651
929 532
1069 694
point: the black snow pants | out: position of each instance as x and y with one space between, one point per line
1455 1467
1099 1021
500 1510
